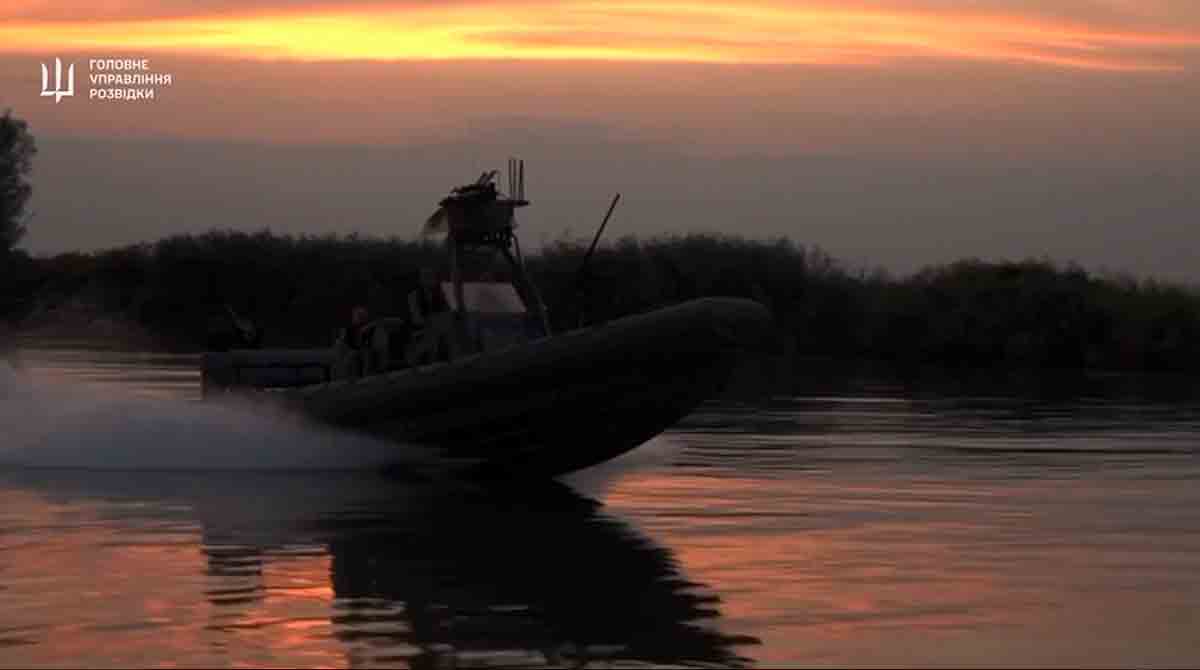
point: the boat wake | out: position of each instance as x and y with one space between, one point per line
53 425
598 480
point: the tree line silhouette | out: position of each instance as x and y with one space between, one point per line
1027 314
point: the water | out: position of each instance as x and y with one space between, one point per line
856 524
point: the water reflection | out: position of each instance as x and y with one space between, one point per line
863 523
357 569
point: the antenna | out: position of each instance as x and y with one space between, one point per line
581 274
516 179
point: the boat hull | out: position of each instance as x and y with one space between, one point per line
553 405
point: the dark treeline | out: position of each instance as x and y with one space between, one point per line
1030 314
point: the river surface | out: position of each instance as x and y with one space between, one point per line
856 523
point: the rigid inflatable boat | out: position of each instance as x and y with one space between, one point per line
474 374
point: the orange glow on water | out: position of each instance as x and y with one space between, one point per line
146 594
918 563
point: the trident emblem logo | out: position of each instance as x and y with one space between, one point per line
58 91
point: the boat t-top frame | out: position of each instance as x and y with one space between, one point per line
478 217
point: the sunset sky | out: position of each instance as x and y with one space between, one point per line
889 132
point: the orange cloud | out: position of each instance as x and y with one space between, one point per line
647 30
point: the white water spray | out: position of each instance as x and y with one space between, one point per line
48 425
